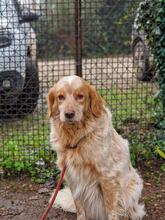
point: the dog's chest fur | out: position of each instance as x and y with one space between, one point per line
82 178
81 174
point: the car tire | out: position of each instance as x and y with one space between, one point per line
27 101
141 60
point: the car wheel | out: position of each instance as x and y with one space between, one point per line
141 60
26 102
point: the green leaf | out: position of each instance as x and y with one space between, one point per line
163 167
160 152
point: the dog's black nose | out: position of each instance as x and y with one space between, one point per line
69 115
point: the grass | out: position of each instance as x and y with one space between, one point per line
132 104
24 144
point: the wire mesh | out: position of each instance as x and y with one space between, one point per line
43 40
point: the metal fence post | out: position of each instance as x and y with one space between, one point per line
78 38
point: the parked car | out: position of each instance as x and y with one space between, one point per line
19 83
142 57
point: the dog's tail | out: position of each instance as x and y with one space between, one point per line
64 200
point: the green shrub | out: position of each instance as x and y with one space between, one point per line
27 152
151 19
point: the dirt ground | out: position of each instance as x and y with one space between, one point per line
20 199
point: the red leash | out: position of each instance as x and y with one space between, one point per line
44 215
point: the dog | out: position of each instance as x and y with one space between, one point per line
102 184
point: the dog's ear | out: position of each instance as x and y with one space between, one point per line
52 105
96 102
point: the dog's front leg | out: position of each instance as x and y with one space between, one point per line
80 211
110 197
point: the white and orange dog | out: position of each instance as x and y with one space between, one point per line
102 184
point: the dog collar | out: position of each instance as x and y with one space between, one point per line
73 146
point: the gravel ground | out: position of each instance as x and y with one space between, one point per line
98 71
104 73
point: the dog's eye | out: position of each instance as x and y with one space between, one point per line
80 97
61 97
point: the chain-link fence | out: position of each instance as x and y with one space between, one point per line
43 40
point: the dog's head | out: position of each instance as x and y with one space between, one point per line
72 99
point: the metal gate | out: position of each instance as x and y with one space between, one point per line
43 40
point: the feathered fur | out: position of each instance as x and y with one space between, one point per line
102 184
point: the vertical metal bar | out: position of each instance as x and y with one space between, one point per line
78 38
